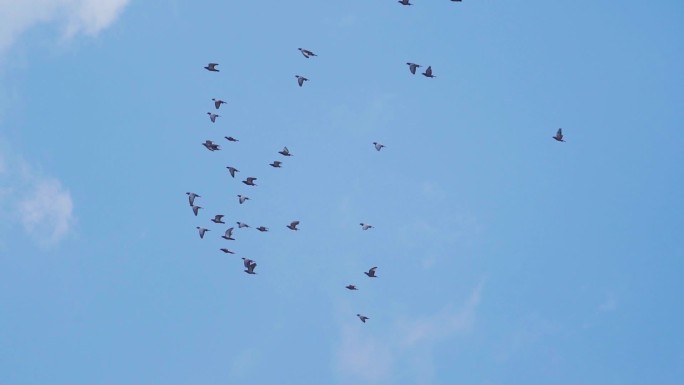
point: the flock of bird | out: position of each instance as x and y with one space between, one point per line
249 264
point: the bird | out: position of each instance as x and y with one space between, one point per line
202 230
228 235
231 139
232 170
428 72
301 80
307 54
191 197
378 146
241 225
250 181
404 2
227 251
456 1
293 225
262 228
363 318
242 198
212 67
218 102
371 272
276 164
250 265
285 152
366 226
351 287
211 146
195 209
412 67
559 135
213 116
218 219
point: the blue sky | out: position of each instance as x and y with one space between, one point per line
504 257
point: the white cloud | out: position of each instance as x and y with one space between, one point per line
76 16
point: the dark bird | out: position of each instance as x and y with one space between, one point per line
227 251
218 102
428 72
250 181
365 226
191 197
559 135
412 67
228 235
202 230
232 170
285 152
404 2
293 225
250 265
211 146
301 80
213 117
351 287
378 146
371 272
456 1
231 139
242 225
363 318
307 54
195 209
262 228
276 164
242 198
212 67
218 219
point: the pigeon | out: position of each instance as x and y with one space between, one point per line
231 139
285 152
351 287
213 117
301 80
378 146
218 102
211 146
366 226
202 230
195 209
228 235
412 67
241 225
232 170
428 72
404 2
250 265
559 135
227 251
242 198
191 197
363 318
212 67
307 54
250 181
371 272
218 219
262 228
293 225
456 1
276 164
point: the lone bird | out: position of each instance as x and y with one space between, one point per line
301 80
211 146
195 209
285 152
262 229
351 287
231 139
307 54
276 164
250 181
202 230
227 251
363 318
218 219
218 102
559 135
412 67
378 146
250 265
241 225
191 197
428 72
365 226
242 198
228 235
371 272
293 225
212 67
403 2
232 170
213 116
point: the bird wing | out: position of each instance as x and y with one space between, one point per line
429 70
559 133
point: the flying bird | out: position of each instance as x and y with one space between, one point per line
211 146
363 318
559 135
212 67
428 72
241 225
262 228
191 197
250 265
202 230
232 170
276 164
227 251
218 219
365 226
378 146
195 209
412 67
242 198
371 272
293 225
228 235
213 116
307 54
351 287
250 181
404 2
231 139
301 80
285 152
218 102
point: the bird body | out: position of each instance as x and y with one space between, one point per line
262 228
301 80
428 72
404 2
363 318
371 272
228 235
293 225
559 135
232 170
227 251
285 152
351 287
307 54
249 181
195 209
242 198
213 116
231 139
378 146
218 219
276 164
212 67
191 197
218 102
202 230
250 265
366 226
241 225
412 67
211 146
